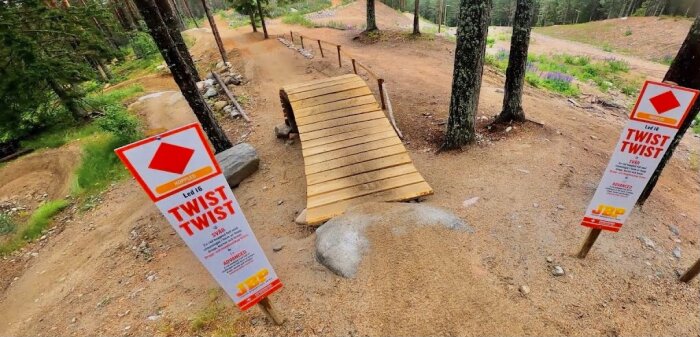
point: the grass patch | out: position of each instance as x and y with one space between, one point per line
301 7
217 318
334 25
666 59
490 41
297 18
58 136
34 227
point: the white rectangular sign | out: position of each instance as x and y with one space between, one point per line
655 119
179 172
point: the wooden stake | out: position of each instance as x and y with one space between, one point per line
354 68
320 48
380 84
590 240
691 273
302 41
390 112
266 306
291 35
230 96
340 64
217 37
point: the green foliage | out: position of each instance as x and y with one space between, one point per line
666 59
42 217
7 225
143 45
301 7
297 18
607 47
628 31
616 65
121 124
490 41
58 136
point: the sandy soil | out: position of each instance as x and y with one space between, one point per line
533 184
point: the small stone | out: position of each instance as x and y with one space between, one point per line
73 320
499 90
523 171
289 142
594 137
277 247
238 162
509 128
535 205
677 252
153 317
235 80
151 277
558 271
280 202
282 131
470 202
301 218
211 92
647 242
674 230
34 254
561 207
219 105
549 259
524 289
200 86
42 238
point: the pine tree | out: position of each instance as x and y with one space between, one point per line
416 17
371 20
472 28
517 64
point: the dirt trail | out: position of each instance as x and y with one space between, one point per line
533 184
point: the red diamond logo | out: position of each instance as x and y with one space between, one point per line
171 158
664 102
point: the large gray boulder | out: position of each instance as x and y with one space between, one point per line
238 162
342 242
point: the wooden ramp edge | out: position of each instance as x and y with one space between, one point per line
351 152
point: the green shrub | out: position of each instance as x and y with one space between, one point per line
7 225
121 124
666 59
618 65
143 45
490 41
606 47
628 31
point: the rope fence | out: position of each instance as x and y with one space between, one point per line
381 85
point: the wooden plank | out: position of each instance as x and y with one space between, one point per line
362 190
334 97
366 166
343 136
317 215
354 159
334 106
358 83
342 129
342 121
295 86
355 110
320 85
360 179
377 144
347 143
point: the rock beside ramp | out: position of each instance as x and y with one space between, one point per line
342 241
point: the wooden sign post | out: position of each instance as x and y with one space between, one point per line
691 273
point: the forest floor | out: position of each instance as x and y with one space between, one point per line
119 269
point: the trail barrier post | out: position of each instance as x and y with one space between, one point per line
691 273
354 68
291 35
340 64
302 41
380 84
588 243
320 48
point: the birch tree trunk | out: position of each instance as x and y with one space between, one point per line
684 71
472 28
517 64
182 75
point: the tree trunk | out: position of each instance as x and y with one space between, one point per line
180 16
133 13
472 28
416 17
68 100
252 21
517 64
684 71
189 12
173 24
182 75
217 37
262 19
371 19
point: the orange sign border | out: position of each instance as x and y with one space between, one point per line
120 153
676 87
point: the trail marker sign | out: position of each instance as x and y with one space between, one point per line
655 119
179 172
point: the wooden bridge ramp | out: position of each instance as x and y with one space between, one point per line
351 152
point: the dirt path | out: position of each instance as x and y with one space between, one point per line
120 270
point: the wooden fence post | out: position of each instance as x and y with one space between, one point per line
691 273
302 41
354 68
590 240
380 83
291 35
320 48
340 64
